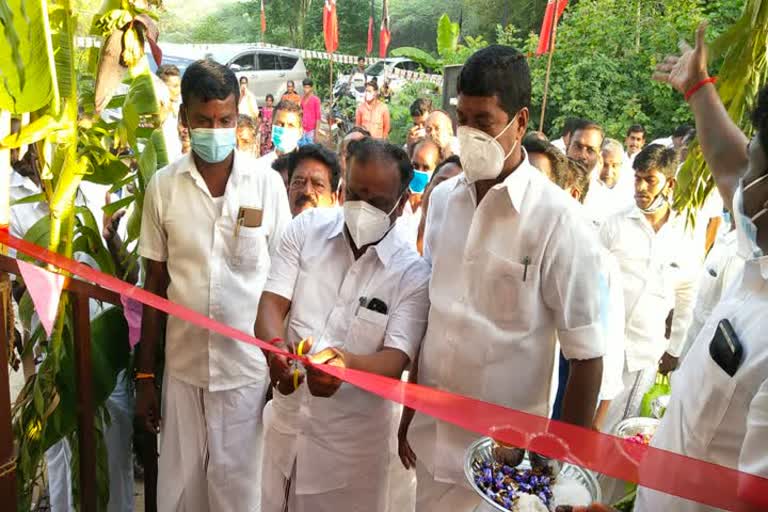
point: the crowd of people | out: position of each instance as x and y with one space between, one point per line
553 278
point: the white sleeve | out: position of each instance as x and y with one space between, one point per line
286 258
753 458
571 287
408 321
612 317
685 300
279 201
153 241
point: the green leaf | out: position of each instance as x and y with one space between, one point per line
141 94
121 203
39 232
110 354
447 36
34 198
148 161
37 130
107 174
417 55
27 75
158 139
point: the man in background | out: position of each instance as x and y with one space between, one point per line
439 128
565 136
426 155
634 142
171 78
290 93
585 144
610 192
420 109
286 131
313 178
311 111
373 114
247 140
546 157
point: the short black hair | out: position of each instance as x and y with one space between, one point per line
320 154
308 81
759 118
243 79
570 124
576 176
290 82
361 59
288 106
368 149
208 80
557 160
453 159
421 107
586 124
657 157
269 97
683 131
499 71
358 129
246 121
374 84
167 70
636 128
282 163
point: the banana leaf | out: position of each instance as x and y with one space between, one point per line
27 74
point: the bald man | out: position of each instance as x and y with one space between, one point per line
439 128
426 156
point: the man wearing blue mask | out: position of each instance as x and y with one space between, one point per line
210 221
514 267
426 156
719 403
286 131
350 281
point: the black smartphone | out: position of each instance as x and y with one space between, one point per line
725 348
378 306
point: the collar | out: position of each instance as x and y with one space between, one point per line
516 183
186 165
387 247
754 270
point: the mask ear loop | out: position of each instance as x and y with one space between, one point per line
514 146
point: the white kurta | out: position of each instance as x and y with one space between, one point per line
712 416
337 448
215 385
510 276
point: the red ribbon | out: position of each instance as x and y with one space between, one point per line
661 470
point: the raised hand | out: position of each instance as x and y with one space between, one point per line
689 68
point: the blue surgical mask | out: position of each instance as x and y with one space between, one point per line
420 181
213 144
285 139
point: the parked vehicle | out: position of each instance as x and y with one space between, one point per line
268 70
381 71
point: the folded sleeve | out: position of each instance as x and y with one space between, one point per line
153 242
574 288
408 322
286 258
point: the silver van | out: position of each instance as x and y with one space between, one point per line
268 70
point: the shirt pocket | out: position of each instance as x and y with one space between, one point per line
249 247
366 332
505 291
709 405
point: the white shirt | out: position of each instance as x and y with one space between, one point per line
409 222
722 266
603 202
659 272
510 277
612 320
338 440
712 416
560 144
212 270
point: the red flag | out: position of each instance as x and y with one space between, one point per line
263 18
370 31
330 26
549 24
385 36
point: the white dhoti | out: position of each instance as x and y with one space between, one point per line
627 403
210 448
434 496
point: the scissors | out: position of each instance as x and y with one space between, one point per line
296 371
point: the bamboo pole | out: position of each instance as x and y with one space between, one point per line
552 33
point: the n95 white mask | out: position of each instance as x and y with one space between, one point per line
366 223
482 156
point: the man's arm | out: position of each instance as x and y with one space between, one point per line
147 403
359 116
269 326
581 391
722 142
685 300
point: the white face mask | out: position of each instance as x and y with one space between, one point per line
369 96
658 201
366 223
746 231
482 157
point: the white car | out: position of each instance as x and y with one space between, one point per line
268 71
381 71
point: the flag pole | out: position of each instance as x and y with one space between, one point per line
552 33
331 78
